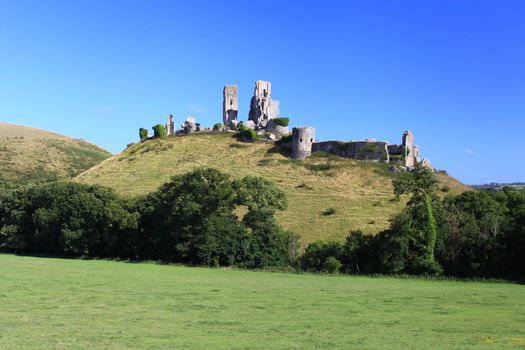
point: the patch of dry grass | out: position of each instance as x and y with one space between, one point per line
29 155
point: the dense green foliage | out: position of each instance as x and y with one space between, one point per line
217 127
475 234
143 134
65 219
96 304
281 121
249 135
196 219
191 219
159 131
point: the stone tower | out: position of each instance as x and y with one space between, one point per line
408 139
411 150
170 126
302 141
230 105
262 107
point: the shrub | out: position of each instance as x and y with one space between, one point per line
332 265
143 134
281 121
241 127
320 166
328 212
317 254
217 127
159 131
286 139
249 135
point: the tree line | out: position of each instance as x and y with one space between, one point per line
474 234
192 219
206 218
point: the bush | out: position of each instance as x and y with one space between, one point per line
159 131
281 121
241 127
317 254
286 139
328 212
249 135
143 134
332 265
217 127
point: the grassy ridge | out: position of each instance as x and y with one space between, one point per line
359 193
64 304
29 155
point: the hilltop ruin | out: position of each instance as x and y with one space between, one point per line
264 118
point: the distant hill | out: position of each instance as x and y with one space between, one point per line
29 155
360 193
499 186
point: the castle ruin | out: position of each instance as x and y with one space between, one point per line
230 105
302 142
262 107
170 126
264 118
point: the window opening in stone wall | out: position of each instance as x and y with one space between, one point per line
312 140
300 140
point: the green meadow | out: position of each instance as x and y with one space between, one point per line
88 304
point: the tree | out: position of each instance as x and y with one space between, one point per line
258 193
269 244
66 218
421 184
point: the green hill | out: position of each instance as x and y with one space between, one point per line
29 155
359 194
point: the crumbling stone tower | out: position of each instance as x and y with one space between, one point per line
230 104
262 107
170 126
302 142
411 150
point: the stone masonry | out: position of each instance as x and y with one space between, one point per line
302 142
262 106
230 105
170 126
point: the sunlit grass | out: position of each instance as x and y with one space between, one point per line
353 188
76 304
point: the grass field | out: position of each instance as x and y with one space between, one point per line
78 304
360 193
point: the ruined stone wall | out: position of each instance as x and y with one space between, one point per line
230 105
376 151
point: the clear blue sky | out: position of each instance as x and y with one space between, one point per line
451 71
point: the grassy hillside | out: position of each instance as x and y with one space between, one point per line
29 155
359 192
75 304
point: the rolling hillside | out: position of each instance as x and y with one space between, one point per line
29 155
360 193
